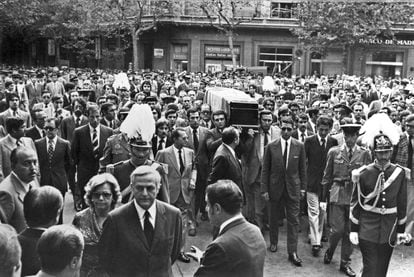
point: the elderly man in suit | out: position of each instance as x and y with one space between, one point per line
14 111
54 157
197 141
182 176
283 182
87 148
13 189
316 149
15 129
252 147
239 249
143 237
341 160
225 164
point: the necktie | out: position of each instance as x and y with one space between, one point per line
285 154
95 143
78 122
350 154
323 143
160 144
50 151
18 142
266 139
195 139
302 137
410 152
148 228
14 113
181 161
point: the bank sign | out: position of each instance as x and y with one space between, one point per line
397 42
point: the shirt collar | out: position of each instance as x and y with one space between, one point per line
25 185
54 140
228 221
39 130
320 138
91 128
152 210
284 141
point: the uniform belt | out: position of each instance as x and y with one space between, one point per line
380 210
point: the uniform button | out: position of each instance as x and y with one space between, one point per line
383 206
383 192
383 199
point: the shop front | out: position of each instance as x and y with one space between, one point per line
218 57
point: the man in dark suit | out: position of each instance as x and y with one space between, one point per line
213 139
13 189
54 157
252 148
316 149
161 139
67 129
108 116
14 111
87 148
41 208
226 255
197 141
36 132
225 164
284 178
301 133
143 237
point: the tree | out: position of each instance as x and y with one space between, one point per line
124 17
324 24
227 15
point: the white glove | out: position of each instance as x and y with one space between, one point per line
403 238
353 237
195 253
322 205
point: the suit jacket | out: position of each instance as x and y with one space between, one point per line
252 156
116 122
82 152
226 166
6 147
30 259
155 142
56 88
55 173
20 113
275 176
213 141
239 250
68 125
124 250
12 193
179 183
33 133
295 134
316 161
201 155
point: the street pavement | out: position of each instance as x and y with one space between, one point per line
277 264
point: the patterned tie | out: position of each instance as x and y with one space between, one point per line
195 139
148 228
266 138
181 161
50 151
350 154
160 144
95 143
78 122
302 137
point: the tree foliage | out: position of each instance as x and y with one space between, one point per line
324 24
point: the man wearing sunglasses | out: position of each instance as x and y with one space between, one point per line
283 182
54 157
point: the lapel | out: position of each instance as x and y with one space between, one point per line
344 153
231 225
160 223
256 143
20 190
232 157
292 152
9 143
171 156
88 140
190 136
135 223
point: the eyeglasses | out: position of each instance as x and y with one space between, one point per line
105 195
48 128
47 97
286 129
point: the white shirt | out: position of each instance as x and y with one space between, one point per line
98 131
300 136
141 213
163 143
320 140
48 142
177 157
228 221
283 142
262 140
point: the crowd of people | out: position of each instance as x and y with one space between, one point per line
147 158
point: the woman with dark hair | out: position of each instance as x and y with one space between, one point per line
102 194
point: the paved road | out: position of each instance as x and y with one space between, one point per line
276 264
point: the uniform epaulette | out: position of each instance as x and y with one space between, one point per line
356 173
407 172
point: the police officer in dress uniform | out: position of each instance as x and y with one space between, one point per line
379 204
341 160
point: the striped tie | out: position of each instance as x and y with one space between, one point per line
95 143
50 151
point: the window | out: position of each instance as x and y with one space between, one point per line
278 60
283 10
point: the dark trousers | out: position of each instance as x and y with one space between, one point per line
292 217
375 258
199 196
339 223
